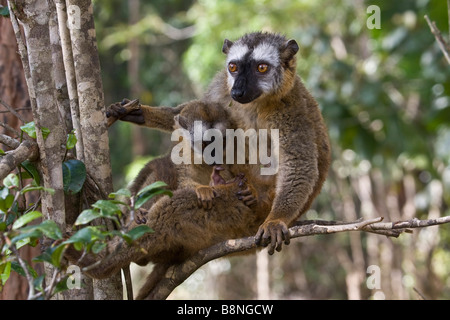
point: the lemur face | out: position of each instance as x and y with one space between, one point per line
256 64
203 124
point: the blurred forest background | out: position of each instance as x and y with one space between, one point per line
385 95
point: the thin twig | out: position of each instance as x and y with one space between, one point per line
18 109
52 284
9 128
176 274
12 110
443 45
28 276
448 10
417 291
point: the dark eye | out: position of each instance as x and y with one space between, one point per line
232 67
263 68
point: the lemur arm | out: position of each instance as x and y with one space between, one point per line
297 175
153 117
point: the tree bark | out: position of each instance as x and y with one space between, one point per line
13 91
93 124
45 66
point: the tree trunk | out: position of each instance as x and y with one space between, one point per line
13 91
94 129
54 107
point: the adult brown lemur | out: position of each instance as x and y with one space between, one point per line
262 91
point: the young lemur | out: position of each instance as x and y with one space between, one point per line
182 225
262 91
197 176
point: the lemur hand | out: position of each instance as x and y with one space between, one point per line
205 196
125 110
271 234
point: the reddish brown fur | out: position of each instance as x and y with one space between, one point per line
304 163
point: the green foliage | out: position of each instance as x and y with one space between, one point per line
30 129
71 140
74 175
384 93
19 229
4 11
21 226
150 191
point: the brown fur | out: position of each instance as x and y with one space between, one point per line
304 143
181 229
183 224
182 175
281 199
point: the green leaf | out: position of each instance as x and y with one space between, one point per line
26 218
154 185
31 169
32 234
71 141
40 188
15 266
44 257
150 191
143 198
61 286
52 255
4 192
107 208
30 129
38 282
18 268
139 231
4 11
74 175
50 229
86 235
6 203
121 192
87 216
45 132
11 181
5 270
23 242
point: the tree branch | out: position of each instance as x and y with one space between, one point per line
443 45
176 274
8 141
12 110
28 149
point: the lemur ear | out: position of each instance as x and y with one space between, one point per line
290 49
226 46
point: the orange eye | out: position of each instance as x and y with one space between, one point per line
232 67
263 67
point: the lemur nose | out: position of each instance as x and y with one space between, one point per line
237 93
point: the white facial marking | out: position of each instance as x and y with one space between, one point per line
266 52
237 52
